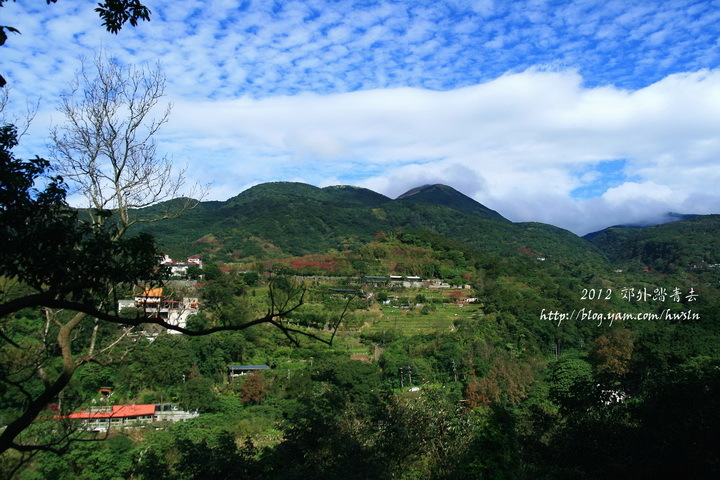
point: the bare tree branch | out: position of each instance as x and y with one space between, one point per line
285 298
107 149
21 121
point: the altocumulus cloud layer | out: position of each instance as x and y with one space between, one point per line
580 114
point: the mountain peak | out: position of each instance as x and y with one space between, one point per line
447 196
430 187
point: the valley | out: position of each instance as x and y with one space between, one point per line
427 337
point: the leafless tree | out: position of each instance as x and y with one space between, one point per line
107 151
21 121
61 278
107 148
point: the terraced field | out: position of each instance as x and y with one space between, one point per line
413 321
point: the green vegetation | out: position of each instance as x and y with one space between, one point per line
689 245
277 220
425 337
471 376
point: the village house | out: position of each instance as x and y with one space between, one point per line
100 419
180 269
409 281
155 305
234 371
412 281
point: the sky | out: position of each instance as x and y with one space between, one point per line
580 114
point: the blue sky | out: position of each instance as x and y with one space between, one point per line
581 114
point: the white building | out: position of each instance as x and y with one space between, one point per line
155 305
179 269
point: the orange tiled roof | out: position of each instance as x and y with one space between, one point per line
118 411
153 292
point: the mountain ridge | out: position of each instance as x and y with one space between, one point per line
668 217
667 247
445 195
295 218
281 219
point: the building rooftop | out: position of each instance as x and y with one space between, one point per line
116 411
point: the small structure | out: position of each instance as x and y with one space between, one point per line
408 281
376 279
100 419
105 392
195 260
412 281
347 292
155 305
179 269
235 371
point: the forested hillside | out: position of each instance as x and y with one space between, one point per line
682 245
273 220
444 342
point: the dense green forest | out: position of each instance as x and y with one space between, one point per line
534 354
282 219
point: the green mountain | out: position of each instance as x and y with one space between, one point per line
451 198
690 244
294 191
292 219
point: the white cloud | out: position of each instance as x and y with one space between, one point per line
315 144
633 191
506 101
514 143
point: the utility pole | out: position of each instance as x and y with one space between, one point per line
402 385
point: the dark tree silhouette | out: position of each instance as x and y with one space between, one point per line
60 281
